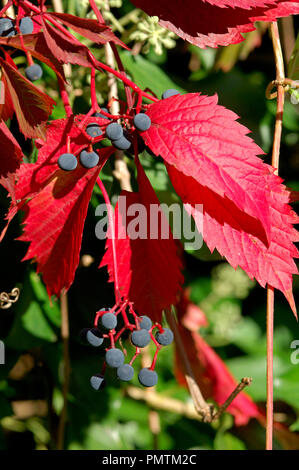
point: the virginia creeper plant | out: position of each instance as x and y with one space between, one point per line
209 158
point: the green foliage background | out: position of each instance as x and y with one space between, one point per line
235 306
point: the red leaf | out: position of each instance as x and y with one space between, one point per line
203 140
32 106
231 232
148 269
89 28
54 224
6 104
64 49
11 153
215 22
37 46
211 373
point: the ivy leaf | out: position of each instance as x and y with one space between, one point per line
149 270
215 23
11 153
58 202
32 106
211 373
89 28
232 232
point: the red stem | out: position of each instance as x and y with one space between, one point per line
93 93
96 11
112 232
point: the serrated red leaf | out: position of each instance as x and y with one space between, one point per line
38 48
211 373
32 106
216 22
203 140
66 50
89 28
232 233
11 153
149 270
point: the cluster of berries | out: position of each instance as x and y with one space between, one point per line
141 334
119 137
8 28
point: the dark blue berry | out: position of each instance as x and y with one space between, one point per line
94 130
145 323
26 25
34 72
147 377
97 382
67 162
100 115
109 321
89 159
122 143
125 372
114 131
114 357
142 122
140 338
165 338
83 334
170 92
7 27
94 337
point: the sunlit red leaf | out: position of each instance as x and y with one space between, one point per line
212 375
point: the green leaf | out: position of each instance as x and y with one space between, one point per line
148 75
5 407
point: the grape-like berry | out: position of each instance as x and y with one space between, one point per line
94 337
100 115
26 25
125 372
89 159
122 143
142 122
7 27
94 130
109 321
114 131
114 357
146 323
147 377
34 72
67 162
97 382
170 92
140 338
165 338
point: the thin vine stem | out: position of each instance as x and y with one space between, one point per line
280 76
